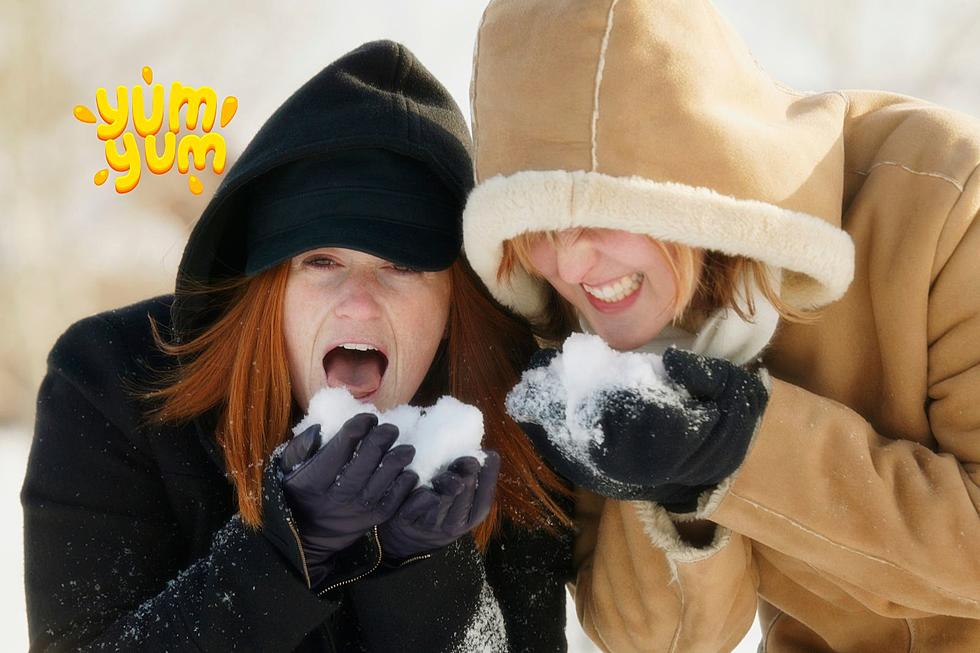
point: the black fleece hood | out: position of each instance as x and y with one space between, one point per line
378 102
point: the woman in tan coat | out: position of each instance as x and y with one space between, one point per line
639 176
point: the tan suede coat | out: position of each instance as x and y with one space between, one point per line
853 522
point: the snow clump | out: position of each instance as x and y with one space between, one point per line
440 434
567 397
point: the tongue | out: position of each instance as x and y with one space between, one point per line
359 371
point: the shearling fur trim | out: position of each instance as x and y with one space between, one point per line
659 527
818 258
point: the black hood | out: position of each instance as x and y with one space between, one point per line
375 97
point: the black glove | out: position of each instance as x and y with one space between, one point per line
343 490
542 358
459 500
667 451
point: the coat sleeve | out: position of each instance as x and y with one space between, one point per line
105 564
892 522
528 570
641 587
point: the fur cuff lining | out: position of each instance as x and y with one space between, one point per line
817 257
659 527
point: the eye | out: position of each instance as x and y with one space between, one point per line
321 262
405 269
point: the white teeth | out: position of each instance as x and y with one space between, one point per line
617 290
357 346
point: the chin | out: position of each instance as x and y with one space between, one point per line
386 399
623 343
624 339
628 339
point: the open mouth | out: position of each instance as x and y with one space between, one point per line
616 290
355 366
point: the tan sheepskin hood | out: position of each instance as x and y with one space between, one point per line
651 117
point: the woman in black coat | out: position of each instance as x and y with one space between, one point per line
164 509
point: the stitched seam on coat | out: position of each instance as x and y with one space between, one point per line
680 621
476 57
600 66
938 175
844 547
908 623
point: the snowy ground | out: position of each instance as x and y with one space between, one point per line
13 460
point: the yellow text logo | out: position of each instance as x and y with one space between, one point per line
122 151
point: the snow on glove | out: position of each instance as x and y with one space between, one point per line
635 426
337 493
431 518
538 405
678 449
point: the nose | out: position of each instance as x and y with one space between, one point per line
359 298
574 259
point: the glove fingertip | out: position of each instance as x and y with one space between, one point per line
491 463
300 448
384 435
701 376
465 465
401 487
404 453
359 425
677 361
312 431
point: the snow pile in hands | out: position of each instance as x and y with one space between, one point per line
567 396
440 434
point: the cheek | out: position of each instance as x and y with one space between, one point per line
637 252
543 257
661 276
431 317
299 333
421 324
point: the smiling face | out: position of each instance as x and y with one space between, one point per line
352 319
622 283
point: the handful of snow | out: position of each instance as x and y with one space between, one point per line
567 397
440 434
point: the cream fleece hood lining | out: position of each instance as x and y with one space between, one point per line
816 257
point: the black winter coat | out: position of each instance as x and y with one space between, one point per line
132 541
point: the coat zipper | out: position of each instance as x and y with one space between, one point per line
423 556
377 563
302 556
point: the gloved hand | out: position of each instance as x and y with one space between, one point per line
666 451
339 492
458 501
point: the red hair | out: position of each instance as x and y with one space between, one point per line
238 363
